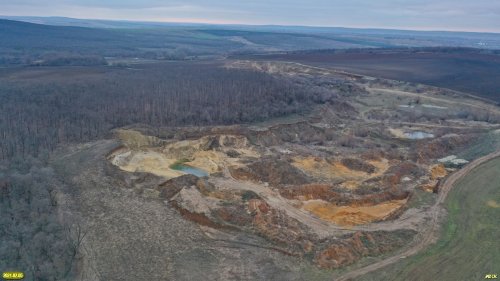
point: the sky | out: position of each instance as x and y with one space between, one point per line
455 15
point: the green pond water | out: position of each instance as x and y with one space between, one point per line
190 170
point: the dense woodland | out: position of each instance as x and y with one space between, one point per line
33 239
49 106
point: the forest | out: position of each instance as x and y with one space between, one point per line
43 107
33 238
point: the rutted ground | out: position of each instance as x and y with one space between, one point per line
451 257
333 186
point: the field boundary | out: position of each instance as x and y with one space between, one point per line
430 234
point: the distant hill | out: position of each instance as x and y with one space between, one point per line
93 23
18 34
24 42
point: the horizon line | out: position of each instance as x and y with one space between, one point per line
209 22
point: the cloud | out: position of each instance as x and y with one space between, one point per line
413 14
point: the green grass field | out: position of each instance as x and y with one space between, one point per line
469 246
487 144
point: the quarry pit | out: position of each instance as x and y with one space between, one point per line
315 184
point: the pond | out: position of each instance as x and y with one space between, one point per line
190 170
418 135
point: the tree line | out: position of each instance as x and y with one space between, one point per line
72 105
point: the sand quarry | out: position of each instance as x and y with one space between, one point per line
143 154
160 159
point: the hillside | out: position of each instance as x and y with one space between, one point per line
25 43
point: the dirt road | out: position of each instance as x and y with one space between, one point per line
320 227
430 234
477 105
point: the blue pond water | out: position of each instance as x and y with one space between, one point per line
191 170
418 135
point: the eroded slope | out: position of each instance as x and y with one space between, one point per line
330 187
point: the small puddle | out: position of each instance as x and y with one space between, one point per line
417 135
190 170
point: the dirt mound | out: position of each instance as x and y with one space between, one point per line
350 249
198 218
344 170
135 139
440 147
273 171
396 173
171 187
358 165
310 192
438 172
300 132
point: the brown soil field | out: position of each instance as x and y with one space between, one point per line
468 71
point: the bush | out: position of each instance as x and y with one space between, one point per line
248 195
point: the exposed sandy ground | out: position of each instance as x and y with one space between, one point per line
350 185
411 219
429 234
493 204
398 133
146 161
215 161
209 161
135 139
137 157
320 168
438 171
349 215
130 237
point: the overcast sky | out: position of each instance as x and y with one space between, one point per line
465 15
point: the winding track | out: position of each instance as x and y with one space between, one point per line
430 234
320 227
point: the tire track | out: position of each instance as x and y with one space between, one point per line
430 234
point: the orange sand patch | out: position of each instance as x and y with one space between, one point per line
349 185
319 167
349 216
381 165
438 171
430 186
